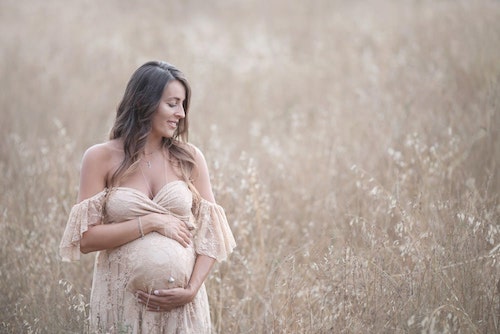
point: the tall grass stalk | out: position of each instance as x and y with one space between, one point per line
354 145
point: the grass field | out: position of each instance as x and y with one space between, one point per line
354 145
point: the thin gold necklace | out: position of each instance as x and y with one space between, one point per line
148 162
150 194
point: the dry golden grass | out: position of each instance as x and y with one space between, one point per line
354 145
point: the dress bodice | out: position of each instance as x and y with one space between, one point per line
174 198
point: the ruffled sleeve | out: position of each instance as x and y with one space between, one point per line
213 236
84 214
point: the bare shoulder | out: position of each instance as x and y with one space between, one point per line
98 162
201 178
103 152
200 162
198 155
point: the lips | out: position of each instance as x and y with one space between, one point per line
173 124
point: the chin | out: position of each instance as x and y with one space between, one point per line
168 135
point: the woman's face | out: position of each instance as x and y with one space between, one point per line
170 110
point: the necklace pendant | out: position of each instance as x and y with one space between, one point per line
148 163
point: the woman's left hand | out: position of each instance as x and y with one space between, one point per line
165 300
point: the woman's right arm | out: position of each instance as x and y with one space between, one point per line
96 164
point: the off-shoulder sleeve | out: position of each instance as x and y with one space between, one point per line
213 236
84 214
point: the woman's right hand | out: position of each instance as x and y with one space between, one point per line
170 226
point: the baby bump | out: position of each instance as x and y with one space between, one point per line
156 262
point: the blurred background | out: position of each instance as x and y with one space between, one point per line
354 145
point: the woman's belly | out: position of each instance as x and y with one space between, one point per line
154 262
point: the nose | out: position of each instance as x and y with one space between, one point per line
180 111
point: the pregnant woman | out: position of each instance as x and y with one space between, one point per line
145 203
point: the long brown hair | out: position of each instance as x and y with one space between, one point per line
134 114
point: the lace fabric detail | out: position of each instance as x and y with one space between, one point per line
147 263
84 214
213 235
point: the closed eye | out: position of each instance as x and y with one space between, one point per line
173 102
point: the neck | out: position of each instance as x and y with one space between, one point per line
151 148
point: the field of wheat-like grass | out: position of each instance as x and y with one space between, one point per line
353 144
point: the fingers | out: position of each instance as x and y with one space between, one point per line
178 231
152 302
174 228
184 238
159 300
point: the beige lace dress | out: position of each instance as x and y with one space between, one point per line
152 262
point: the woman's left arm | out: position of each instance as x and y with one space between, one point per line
168 299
